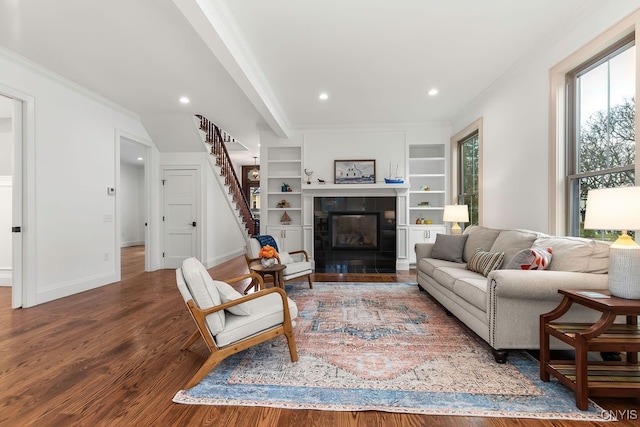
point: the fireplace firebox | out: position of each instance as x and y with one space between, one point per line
355 234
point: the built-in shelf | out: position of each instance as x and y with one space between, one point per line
427 165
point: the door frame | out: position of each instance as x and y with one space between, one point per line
201 229
150 230
23 290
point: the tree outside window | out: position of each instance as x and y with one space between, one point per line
468 182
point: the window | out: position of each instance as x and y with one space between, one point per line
469 175
600 129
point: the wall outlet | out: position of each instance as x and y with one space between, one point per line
106 256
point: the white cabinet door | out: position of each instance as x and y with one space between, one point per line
423 234
290 237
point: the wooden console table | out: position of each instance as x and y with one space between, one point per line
585 378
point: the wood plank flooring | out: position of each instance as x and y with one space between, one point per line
110 357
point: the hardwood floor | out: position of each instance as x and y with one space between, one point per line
110 357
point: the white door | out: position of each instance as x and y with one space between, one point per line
180 216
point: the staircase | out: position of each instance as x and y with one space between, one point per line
216 138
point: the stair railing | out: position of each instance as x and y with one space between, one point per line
217 137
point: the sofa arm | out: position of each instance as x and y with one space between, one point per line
541 284
423 250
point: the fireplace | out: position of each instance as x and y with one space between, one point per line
355 234
350 231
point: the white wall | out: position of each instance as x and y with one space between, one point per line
132 214
71 140
515 121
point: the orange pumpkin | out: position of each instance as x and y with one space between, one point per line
268 251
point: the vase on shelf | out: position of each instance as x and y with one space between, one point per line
268 262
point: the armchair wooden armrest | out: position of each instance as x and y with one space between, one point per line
301 251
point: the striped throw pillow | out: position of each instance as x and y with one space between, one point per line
485 262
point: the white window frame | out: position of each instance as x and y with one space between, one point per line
558 182
474 127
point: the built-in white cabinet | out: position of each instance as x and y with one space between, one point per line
281 188
427 178
290 237
423 234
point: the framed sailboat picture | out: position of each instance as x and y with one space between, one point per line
355 171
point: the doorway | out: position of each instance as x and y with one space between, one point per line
11 218
132 198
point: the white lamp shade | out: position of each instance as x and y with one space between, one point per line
613 209
456 213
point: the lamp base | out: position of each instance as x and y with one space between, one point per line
624 273
456 229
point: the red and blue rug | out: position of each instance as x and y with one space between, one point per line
384 347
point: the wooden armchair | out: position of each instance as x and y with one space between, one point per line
229 322
296 262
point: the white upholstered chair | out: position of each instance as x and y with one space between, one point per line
228 321
296 262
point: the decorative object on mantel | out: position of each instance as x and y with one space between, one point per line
354 171
286 188
309 174
285 219
618 209
393 179
283 204
321 181
456 214
268 256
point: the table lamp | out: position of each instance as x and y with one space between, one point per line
455 214
618 209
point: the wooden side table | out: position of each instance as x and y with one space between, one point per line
275 271
611 379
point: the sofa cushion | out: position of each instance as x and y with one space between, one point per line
447 276
472 290
204 296
485 262
479 238
576 254
513 241
449 247
530 259
228 294
428 265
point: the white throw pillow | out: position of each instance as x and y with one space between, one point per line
228 294
285 258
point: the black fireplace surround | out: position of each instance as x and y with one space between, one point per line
355 234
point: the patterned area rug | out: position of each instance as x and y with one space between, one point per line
384 347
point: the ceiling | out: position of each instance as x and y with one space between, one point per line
250 65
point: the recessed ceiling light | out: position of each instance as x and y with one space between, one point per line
433 92
323 96
184 100
140 159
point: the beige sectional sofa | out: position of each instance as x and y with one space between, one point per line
504 307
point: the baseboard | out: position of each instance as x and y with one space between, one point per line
224 258
6 276
127 244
